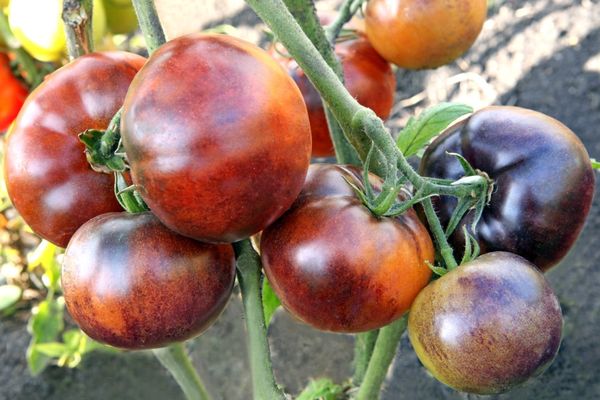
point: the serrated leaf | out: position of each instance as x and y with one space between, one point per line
9 296
420 130
270 301
322 389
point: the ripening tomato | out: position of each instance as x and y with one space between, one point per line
130 282
368 78
336 266
47 175
544 182
39 27
418 34
217 137
488 325
12 94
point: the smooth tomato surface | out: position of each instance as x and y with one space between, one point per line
12 94
47 175
217 137
130 282
337 267
419 34
544 182
488 325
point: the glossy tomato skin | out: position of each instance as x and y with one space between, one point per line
336 266
132 283
418 34
217 137
488 325
47 175
368 78
544 182
12 94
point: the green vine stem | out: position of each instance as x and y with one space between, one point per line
383 354
347 11
249 277
175 359
364 343
438 232
77 16
149 24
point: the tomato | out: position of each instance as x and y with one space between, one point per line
544 182
120 16
42 33
418 34
368 78
47 175
217 137
337 267
130 282
488 325
12 94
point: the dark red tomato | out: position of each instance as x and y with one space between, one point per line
217 137
130 282
544 181
336 266
368 78
12 94
488 325
47 175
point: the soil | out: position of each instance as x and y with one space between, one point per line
540 54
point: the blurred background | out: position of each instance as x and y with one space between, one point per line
539 54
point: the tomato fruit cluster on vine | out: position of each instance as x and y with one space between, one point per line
218 138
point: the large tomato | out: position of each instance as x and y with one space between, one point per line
47 175
368 78
12 94
544 182
130 282
488 325
336 266
217 136
423 34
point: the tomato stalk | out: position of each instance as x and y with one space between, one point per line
77 16
249 278
150 24
347 11
175 359
364 343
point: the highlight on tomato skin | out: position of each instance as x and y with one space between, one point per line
130 282
220 153
488 325
12 94
45 139
337 267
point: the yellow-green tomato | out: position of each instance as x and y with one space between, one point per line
38 25
120 16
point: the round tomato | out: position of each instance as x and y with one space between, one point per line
47 175
544 182
130 282
336 266
488 325
42 32
12 94
368 78
120 16
418 34
217 137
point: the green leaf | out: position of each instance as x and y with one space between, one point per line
595 164
9 295
430 123
44 256
52 349
45 324
322 389
270 301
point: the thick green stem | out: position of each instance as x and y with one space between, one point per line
77 16
440 237
149 24
383 354
364 343
175 359
249 278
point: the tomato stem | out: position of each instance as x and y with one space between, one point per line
249 277
77 16
347 11
149 24
364 343
176 360
444 247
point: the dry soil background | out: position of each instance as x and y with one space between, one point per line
541 54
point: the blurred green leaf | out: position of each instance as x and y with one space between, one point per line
52 349
322 389
595 164
45 325
9 295
270 301
44 256
430 123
